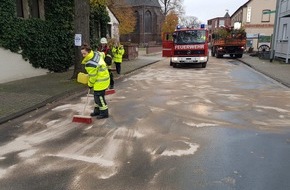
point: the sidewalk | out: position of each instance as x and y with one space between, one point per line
22 96
277 70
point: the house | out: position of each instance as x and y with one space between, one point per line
217 22
113 25
39 34
257 17
149 21
282 30
13 66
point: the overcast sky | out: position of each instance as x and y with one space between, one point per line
207 9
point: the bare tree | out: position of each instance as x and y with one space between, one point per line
172 5
189 21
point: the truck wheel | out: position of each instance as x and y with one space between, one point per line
203 65
239 55
171 63
174 65
212 52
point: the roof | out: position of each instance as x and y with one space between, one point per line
152 3
227 15
112 16
241 7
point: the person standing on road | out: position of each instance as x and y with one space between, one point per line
118 52
108 58
99 79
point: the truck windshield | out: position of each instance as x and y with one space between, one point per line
190 37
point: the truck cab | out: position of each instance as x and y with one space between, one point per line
186 46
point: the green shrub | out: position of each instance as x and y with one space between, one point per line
48 43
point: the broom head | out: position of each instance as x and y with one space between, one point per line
110 91
82 119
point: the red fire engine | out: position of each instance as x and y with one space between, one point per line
186 46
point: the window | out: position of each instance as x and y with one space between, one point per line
284 6
284 33
137 27
190 37
34 9
221 23
148 22
19 8
30 8
266 15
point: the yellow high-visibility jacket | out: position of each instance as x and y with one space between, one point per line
118 53
99 77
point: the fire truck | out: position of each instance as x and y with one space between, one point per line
186 46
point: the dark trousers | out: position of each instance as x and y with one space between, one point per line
118 67
111 79
99 97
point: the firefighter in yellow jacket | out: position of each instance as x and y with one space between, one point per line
118 52
99 79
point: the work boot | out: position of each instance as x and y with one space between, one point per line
96 112
103 114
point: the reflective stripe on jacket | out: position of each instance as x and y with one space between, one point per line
99 76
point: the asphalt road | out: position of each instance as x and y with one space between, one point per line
222 127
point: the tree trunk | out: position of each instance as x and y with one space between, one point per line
81 26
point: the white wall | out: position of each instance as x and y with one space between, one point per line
13 67
253 19
115 25
283 42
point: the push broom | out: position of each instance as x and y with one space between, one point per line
109 91
83 118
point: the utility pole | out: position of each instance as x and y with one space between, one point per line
82 32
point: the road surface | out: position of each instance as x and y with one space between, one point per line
222 127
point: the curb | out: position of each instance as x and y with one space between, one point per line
73 92
267 74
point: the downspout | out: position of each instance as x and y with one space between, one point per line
275 32
143 25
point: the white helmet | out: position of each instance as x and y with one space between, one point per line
103 41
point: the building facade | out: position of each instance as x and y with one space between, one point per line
113 26
257 17
282 30
149 21
217 22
